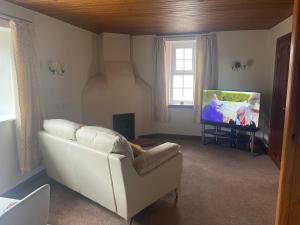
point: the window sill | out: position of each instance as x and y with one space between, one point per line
4 118
181 106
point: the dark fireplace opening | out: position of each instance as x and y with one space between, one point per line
124 124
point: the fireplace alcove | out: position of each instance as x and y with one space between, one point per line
124 124
116 89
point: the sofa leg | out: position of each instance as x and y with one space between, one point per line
176 197
130 221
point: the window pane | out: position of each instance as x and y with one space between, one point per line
188 95
179 64
188 53
188 65
188 81
177 81
177 94
7 108
179 53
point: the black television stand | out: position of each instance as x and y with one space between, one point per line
230 133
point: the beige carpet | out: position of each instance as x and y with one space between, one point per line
220 186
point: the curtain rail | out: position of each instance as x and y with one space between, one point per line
184 35
7 17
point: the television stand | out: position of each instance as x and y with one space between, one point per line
230 133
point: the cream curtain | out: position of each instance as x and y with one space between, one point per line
28 110
161 79
206 69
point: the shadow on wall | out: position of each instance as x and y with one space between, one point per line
96 60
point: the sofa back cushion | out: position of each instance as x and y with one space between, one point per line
104 139
61 128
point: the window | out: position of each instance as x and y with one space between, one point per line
7 106
182 73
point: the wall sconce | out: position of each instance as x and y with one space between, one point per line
57 68
238 65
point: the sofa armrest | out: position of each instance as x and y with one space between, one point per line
134 192
6 204
32 210
154 157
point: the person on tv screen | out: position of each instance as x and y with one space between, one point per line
241 116
246 114
211 112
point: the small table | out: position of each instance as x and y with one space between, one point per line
217 132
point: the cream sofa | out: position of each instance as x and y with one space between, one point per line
31 210
99 164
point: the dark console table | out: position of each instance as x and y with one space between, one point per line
229 132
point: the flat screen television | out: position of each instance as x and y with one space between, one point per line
230 107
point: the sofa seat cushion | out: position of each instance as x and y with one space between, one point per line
104 139
155 157
61 128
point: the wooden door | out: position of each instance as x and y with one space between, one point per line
279 97
288 203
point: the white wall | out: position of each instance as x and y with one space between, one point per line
116 47
242 46
236 45
10 175
116 89
56 40
181 120
143 56
256 45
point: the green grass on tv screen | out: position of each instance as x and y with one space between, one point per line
225 96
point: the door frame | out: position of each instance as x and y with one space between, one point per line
288 202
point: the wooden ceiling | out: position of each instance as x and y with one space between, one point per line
164 16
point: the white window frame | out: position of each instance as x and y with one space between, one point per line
179 45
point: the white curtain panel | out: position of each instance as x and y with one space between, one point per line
28 109
206 69
161 79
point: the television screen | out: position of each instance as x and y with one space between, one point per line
231 107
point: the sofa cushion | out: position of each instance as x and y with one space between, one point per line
136 149
61 128
104 139
155 157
